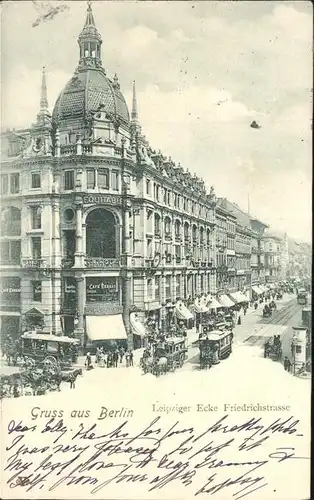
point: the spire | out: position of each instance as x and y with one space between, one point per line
90 21
134 114
43 116
43 94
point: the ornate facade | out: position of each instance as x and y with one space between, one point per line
95 223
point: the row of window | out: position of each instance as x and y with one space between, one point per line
11 251
171 199
101 178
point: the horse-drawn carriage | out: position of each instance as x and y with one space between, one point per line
165 356
273 349
267 311
215 346
51 349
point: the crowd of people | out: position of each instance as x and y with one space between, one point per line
109 358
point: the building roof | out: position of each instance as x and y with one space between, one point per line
86 92
243 218
90 88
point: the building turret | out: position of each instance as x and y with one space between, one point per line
90 42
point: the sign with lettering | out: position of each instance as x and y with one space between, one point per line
10 289
105 289
102 199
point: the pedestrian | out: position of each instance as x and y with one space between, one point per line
239 320
287 364
88 361
127 358
255 306
121 354
131 357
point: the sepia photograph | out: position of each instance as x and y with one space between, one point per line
156 249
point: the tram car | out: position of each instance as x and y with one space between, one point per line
174 349
214 347
302 297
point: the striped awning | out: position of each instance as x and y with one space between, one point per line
200 306
137 326
213 304
225 301
182 312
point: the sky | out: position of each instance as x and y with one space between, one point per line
204 71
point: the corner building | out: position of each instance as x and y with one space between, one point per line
96 225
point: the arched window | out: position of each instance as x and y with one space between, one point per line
167 224
194 233
186 230
177 228
157 224
202 235
11 221
101 236
208 237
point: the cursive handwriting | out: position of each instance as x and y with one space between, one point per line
156 455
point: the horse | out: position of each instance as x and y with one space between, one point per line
161 366
147 364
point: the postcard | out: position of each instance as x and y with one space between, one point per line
156 250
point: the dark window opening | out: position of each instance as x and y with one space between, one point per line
101 234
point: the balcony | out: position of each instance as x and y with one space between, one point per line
102 263
178 238
168 236
34 263
68 149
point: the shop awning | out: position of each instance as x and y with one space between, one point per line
243 297
225 301
182 312
257 290
263 288
105 327
213 304
235 297
137 326
200 306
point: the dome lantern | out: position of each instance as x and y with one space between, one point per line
89 42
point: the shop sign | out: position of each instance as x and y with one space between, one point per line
10 289
104 289
99 199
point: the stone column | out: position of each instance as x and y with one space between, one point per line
79 329
56 249
126 235
79 254
126 300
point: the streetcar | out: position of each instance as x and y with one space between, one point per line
302 297
214 347
174 349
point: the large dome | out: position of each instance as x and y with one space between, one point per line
85 92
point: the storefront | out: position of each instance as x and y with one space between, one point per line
10 303
102 289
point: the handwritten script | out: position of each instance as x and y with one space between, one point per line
56 454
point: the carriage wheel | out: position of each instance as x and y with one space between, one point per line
51 361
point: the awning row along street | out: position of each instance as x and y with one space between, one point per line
111 327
